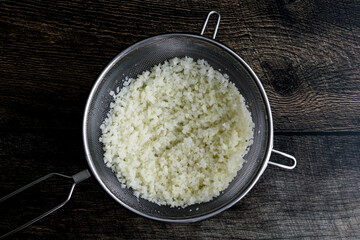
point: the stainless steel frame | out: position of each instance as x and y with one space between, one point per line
85 174
255 78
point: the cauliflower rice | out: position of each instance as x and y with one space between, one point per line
177 134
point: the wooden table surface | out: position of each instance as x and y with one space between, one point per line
306 54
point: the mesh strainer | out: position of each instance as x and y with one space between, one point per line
142 56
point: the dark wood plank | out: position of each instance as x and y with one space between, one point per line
320 198
305 53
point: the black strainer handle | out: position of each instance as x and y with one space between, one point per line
217 23
285 155
79 177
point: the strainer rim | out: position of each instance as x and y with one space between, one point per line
253 76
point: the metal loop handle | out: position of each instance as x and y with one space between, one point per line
79 177
285 155
217 23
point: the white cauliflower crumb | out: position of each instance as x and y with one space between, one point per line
177 134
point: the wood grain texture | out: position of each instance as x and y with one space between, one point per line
306 54
318 199
300 51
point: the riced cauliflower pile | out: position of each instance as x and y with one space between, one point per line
177 134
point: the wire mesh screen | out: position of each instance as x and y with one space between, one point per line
143 56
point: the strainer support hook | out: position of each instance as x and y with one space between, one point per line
287 156
217 23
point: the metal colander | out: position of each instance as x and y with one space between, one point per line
142 56
133 61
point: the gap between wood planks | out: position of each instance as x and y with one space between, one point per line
283 133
